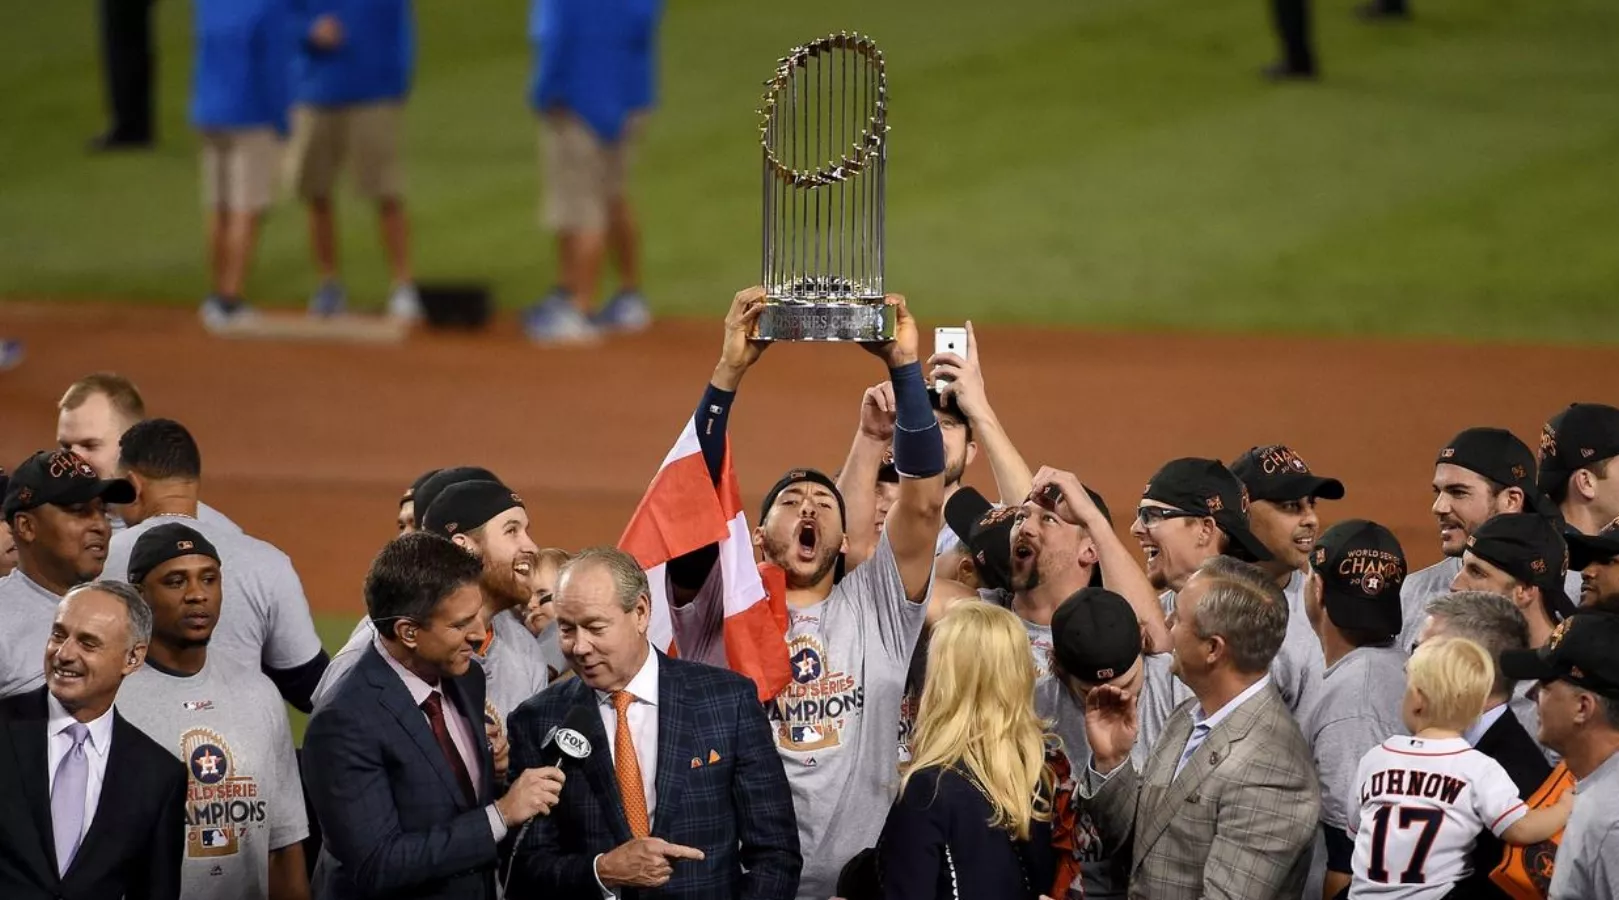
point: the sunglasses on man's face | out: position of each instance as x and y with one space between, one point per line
1153 516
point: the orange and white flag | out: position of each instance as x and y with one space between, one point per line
682 511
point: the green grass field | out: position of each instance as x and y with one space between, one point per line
1105 162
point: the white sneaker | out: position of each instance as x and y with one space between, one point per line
405 304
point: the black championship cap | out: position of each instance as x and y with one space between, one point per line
963 510
1362 568
1580 652
1207 488
1495 453
428 490
986 531
1529 548
1585 549
60 478
1095 636
163 543
1277 474
410 493
1576 438
460 508
798 476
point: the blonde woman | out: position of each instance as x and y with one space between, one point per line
971 819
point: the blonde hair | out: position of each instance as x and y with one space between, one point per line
119 391
1455 675
977 714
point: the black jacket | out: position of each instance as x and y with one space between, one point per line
1510 745
938 845
136 839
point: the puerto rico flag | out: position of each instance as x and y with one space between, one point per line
684 511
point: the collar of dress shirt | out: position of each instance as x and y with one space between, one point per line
58 719
419 689
643 687
1224 712
1475 732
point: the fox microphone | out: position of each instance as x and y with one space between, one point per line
561 744
568 741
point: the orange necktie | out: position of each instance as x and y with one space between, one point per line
628 768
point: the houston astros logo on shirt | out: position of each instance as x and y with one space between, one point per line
221 803
810 713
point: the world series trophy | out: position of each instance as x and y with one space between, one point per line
823 130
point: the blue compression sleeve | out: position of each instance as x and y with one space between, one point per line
713 417
918 442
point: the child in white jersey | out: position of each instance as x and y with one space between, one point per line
1424 799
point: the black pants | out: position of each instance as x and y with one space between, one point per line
1292 19
127 65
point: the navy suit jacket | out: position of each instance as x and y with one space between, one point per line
393 820
137 838
721 788
1509 744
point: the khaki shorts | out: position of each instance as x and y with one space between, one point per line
582 172
324 136
239 169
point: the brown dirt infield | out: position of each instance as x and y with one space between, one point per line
309 445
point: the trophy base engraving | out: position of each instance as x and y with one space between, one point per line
825 320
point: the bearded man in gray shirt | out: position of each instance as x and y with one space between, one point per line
1481 473
849 638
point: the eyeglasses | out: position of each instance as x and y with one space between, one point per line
1153 516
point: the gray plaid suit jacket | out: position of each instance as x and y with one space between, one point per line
1238 823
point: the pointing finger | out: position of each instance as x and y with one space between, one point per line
679 851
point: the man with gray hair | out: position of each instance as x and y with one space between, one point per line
64 739
1494 623
1227 803
635 814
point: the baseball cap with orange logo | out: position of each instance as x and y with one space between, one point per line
1530 548
1580 652
1362 567
60 478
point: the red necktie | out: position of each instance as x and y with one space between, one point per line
434 707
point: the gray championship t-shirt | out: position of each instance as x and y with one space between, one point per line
513 666
1587 865
26 614
1102 877
1358 709
1417 590
243 797
837 722
204 512
264 619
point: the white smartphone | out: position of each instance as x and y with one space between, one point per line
949 339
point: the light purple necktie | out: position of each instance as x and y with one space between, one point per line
67 797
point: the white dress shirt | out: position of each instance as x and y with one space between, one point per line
58 743
643 715
461 733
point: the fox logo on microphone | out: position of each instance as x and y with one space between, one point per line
571 742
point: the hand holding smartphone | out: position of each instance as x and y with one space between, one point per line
949 339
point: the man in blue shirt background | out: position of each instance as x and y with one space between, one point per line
593 81
352 74
239 100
